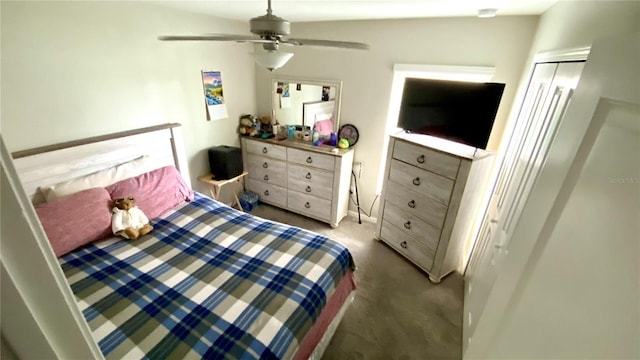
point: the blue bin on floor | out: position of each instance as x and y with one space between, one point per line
248 200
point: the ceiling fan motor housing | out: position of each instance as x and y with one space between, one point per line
270 27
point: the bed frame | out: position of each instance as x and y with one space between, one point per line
162 144
49 165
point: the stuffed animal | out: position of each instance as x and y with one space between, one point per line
246 126
127 220
265 125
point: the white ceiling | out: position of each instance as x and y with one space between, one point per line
326 10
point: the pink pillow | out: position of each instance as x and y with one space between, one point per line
155 192
324 127
76 220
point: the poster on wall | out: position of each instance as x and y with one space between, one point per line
325 93
213 95
285 99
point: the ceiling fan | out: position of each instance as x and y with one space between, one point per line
271 31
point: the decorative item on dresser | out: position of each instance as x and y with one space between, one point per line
431 193
294 175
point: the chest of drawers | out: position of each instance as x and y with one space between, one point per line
293 175
430 200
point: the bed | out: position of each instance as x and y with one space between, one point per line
208 282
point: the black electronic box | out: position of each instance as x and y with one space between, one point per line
225 162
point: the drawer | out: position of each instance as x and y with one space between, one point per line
266 149
407 246
437 162
416 204
309 180
310 158
267 169
425 182
422 231
270 193
309 204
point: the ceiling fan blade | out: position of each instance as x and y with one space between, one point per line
214 37
329 43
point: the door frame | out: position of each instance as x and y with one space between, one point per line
49 306
580 53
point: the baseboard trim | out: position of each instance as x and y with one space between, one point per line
364 217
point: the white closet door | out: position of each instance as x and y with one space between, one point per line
530 156
477 287
531 107
531 110
548 95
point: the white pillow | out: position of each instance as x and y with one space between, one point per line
100 178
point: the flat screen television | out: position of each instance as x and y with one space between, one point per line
458 111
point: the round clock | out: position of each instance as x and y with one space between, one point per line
350 133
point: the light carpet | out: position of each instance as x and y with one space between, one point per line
397 313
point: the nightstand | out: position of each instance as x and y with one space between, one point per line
215 186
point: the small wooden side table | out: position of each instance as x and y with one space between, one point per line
215 186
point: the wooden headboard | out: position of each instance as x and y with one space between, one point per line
53 164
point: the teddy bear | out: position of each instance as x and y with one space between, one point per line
246 126
265 125
127 220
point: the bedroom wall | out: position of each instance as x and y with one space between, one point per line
503 42
570 24
76 69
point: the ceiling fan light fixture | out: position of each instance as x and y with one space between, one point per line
273 60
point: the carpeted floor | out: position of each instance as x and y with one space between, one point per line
397 313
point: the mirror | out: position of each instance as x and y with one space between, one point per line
305 102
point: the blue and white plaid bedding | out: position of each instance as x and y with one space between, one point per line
208 282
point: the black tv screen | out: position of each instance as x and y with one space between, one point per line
458 111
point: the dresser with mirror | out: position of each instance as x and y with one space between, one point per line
292 173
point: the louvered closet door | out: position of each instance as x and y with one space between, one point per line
548 95
539 86
527 161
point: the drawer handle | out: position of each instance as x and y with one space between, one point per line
403 244
420 159
308 176
309 160
308 189
266 193
266 178
412 204
407 225
307 205
416 181
265 165
264 150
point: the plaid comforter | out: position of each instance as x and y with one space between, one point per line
208 282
